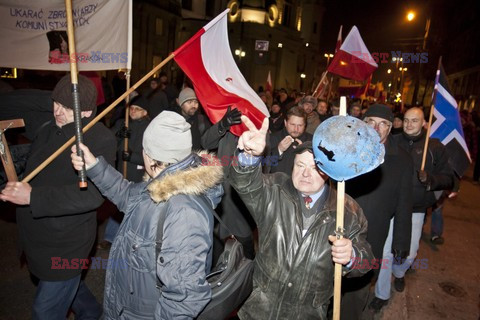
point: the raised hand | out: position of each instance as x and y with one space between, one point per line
253 141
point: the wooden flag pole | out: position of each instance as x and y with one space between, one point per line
82 174
318 86
430 118
97 118
127 119
337 285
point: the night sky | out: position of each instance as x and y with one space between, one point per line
454 31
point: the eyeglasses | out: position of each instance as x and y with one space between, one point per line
382 124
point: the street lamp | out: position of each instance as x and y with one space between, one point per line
240 53
410 15
328 56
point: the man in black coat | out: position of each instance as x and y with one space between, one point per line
284 142
437 175
56 219
384 194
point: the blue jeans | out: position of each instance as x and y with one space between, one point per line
384 282
111 230
436 226
54 298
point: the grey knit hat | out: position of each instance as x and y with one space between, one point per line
62 93
168 138
186 95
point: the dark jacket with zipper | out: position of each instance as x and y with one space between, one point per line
293 275
386 193
440 173
60 221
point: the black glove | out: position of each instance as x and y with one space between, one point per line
123 133
399 256
230 118
126 155
423 177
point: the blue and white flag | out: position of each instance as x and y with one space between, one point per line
447 126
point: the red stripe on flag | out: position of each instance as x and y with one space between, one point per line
214 99
351 67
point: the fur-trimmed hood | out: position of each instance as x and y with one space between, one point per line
192 176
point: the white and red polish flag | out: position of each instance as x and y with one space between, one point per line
207 60
353 60
269 86
339 40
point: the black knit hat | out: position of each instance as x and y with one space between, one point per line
381 111
87 92
142 102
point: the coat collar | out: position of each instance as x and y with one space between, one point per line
191 176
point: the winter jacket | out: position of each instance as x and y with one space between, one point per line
131 290
384 193
293 275
440 173
60 222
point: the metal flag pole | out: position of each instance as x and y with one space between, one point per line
82 175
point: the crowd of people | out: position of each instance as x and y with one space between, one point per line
281 210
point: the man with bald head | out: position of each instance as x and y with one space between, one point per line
437 175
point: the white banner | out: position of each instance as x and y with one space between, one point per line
33 34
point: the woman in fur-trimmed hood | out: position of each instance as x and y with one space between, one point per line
181 189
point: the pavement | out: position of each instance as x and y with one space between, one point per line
446 286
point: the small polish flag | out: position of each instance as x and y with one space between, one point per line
353 60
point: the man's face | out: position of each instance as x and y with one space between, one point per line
413 122
189 107
283 96
308 107
355 111
306 177
153 84
62 115
397 123
136 112
322 108
335 110
295 126
275 108
382 126
65 115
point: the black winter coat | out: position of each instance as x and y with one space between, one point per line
440 173
285 161
384 193
60 221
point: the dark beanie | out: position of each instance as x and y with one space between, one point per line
142 102
381 111
86 89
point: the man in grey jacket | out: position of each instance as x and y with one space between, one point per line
293 277
181 191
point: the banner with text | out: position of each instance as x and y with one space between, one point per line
33 34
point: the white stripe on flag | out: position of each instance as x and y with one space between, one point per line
441 90
222 68
455 135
